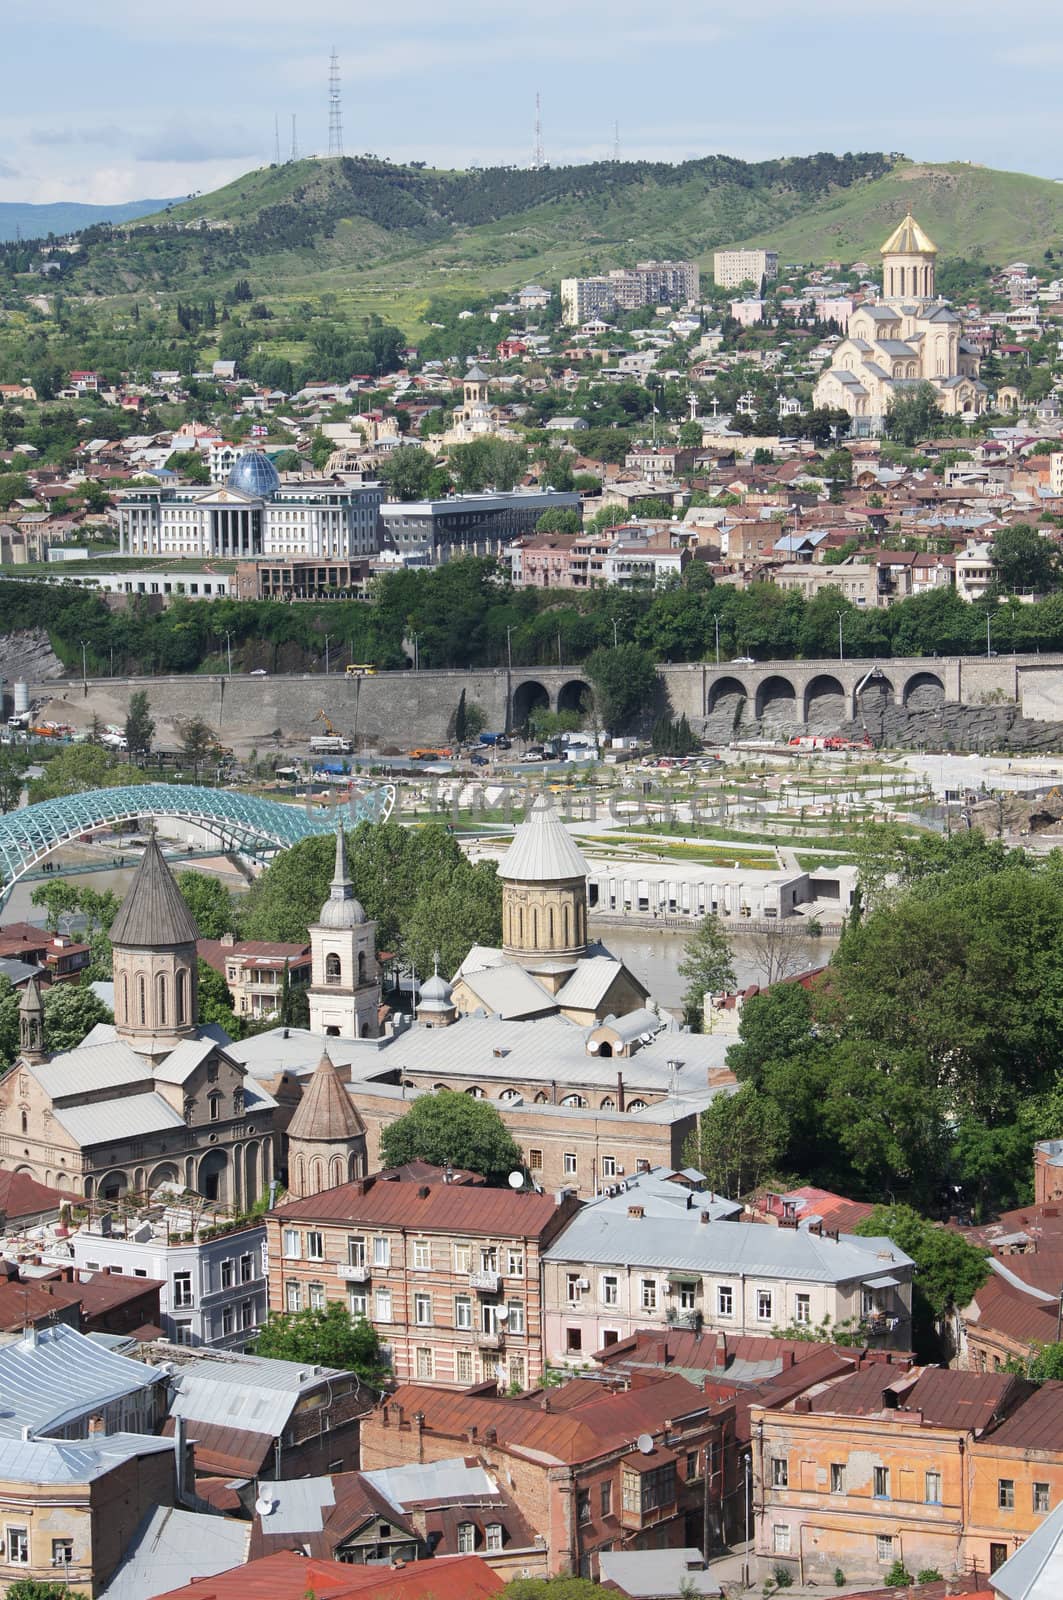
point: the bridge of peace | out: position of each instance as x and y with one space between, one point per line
409 707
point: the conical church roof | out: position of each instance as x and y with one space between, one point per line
325 1114
543 850
153 915
908 239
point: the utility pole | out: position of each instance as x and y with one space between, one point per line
335 109
295 143
538 157
841 645
717 622
616 141
229 650
276 140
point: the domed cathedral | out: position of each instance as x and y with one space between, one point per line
344 988
153 937
326 1136
905 339
151 1100
547 963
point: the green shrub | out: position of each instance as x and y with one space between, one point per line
839 1577
898 1577
929 1575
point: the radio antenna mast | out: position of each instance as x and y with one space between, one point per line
295 143
276 140
335 109
538 159
616 141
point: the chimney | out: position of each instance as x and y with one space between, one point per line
803 1404
620 1091
721 1349
97 1425
636 1211
704 1217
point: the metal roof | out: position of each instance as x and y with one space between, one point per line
543 850
253 1394
154 913
591 982
58 1374
645 1574
326 1111
56 1461
439 1207
1035 1571
413 1482
107 1065
171 1547
509 992
298 1504
125 1117
255 827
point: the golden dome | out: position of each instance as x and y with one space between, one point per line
908 239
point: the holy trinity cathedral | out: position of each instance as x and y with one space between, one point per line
906 338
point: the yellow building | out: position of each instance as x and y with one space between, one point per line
906 338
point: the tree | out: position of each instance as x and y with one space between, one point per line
70 1012
453 1128
1025 561
625 684
59 898
79 769
12 779
780 949
949 1271
210 903
43 1589
328 1338
198 740
139 727
913 415
737 1142
450 916
558 520
690 436
555 1589
412 473
215 1000
707 965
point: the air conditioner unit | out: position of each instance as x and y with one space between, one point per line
585 1283
620 1171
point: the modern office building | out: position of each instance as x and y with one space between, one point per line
468 524
732 268
253 514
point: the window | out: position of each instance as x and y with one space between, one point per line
422 1310
357 1303
466 1539
355 1251
725 1300
182 1288
1006 1494
882 1483
606 1500
765 1299
1040 1498
317 1296
247 1313
515 1322
462 1257
228 1272
688 1295
291 1244
214 1103
62 1552
573 1340
493 1536
932 1488
692 1466
422 1254
583 1505
572 1288
570 1163
648 1491
884 1548
424 1363
462 1311
247 1267
228 1319
535 1160
514 1263
463 1366
382 1302
837 1477
315 1247
293 1296
649 1294
18 1546
182 1331
803 1308
381 1252
780 1539
610 1290
780 1472
608 1166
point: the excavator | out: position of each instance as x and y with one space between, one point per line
332 731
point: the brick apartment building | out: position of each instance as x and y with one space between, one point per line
449 1275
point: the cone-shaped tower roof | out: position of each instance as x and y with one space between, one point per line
30 999
153 915
908 239
325 1114
543 850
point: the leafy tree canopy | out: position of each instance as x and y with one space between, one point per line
949 1271
329 1338
707 965
455 1128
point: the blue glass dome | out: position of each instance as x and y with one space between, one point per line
255 474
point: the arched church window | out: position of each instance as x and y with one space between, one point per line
550 925
125 997
142 1001
332 968
160 1001
361 966
179 1002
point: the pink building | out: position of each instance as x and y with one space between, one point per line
747 312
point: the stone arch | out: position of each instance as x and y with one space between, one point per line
731 690
213 1175
300 1175
876 695
575 696
354 1164
825 701
333 970
924 691
528 697
165 1172
112 1186
335 1175
605 1048
776 697
317 1175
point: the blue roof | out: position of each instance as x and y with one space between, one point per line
255 474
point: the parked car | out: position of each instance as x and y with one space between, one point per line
480 761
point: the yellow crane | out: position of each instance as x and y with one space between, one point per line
329 729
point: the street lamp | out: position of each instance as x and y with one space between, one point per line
988 635
229 650
841 642
84 665
717 622
328 637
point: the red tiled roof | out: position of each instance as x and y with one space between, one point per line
23 1196
215 952
448 1207
834 1210
287 1576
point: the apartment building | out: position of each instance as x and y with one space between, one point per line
449 1275
661 1251
647 283
732 268
255 970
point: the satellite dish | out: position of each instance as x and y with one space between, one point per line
501 1313
516 1180
645 1444
265 1505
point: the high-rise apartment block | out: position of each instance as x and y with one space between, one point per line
648 283
732 268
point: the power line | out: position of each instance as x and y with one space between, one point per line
538 158
295 143
335 109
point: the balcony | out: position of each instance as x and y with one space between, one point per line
490 1341
352 1274
485 1282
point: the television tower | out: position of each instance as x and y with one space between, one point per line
295 143
335 110
538 158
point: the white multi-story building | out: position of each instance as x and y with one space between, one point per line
648 283
732 268
252 515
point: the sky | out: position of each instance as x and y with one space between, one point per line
115 100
